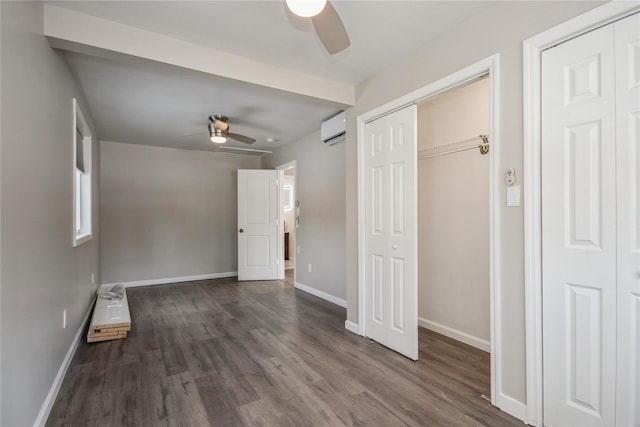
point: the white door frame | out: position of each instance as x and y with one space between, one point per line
489 65
281 268
532 53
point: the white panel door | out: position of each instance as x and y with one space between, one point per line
257 225
579 231
390 252
627 40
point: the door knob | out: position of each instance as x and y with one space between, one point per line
395 246
241 230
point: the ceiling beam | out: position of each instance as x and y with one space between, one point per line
71 30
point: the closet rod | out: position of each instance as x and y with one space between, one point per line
475 147
484 148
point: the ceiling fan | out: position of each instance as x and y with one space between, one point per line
326 22
219 131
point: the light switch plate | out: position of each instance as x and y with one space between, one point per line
513 196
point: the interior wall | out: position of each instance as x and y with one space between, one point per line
453 216
289 215
499 29
167 212
42 273
321 192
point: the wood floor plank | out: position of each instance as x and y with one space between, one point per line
296 389
227 353
221 409
197 357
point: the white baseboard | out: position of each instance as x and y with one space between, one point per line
455 334
57 382
320 294
352 327
512 407
167 280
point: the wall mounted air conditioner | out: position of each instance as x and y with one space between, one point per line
332 131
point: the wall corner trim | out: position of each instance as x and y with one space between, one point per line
352 327
167 280
45 410
320 294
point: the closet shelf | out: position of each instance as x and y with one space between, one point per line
456 146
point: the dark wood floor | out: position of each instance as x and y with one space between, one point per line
222 353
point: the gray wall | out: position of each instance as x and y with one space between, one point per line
453 214
167 212
499 29
321 192
42 274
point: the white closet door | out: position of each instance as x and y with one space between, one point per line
627 36
390 252
579 231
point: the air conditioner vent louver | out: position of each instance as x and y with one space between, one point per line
335 139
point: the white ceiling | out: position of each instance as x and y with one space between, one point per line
144 102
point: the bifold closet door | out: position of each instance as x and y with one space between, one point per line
579 231
627 53
591 227
391 231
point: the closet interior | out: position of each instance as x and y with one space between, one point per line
453 215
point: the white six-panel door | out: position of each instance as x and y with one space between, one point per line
590 259
257 225
627 53
578 231
390 250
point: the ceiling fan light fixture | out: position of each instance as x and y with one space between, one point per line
306 8
216 135
218 139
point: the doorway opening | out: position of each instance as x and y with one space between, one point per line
288 212
453 190
366 124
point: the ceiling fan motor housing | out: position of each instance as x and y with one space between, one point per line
216 134
218 117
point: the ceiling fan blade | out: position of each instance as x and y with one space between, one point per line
193 134
330 30
241 138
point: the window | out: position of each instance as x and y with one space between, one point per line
288 197
81 177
